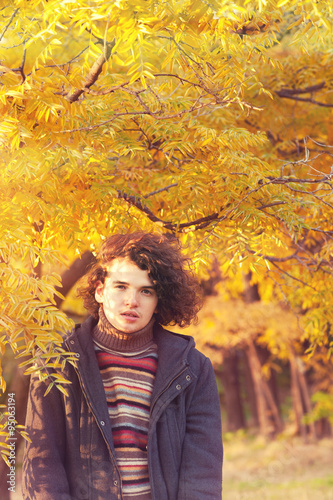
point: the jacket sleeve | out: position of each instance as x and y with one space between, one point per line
44 475
202 456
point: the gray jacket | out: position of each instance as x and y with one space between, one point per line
71 454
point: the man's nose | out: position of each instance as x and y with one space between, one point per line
131 298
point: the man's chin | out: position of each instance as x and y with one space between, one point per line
127 328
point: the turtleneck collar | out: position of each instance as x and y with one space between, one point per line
106 335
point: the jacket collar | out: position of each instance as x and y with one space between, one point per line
173 350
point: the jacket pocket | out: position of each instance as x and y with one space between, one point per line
170 431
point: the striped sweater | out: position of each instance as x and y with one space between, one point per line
128 364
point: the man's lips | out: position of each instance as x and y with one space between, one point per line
130 314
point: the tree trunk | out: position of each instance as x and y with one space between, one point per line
301 399
72 275
323 428
270 422
264 355
250 392
264 424
231 385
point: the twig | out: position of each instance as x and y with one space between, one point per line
282 271
312 101
166 188
137 113
326 179
21 67
8 24
307 90
271 258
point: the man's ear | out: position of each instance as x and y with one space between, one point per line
99 292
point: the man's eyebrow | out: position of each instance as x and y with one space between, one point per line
119 282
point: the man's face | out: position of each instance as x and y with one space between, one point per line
128 296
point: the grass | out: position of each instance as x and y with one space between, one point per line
284 469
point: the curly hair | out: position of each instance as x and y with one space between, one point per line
177 289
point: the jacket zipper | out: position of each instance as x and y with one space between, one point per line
166 388
151 411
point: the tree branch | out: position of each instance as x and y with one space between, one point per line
326 179
139 113
93 74
161 190
312 101
284 92
294 94
21 67
198 223
90 80
282 271
8 24
271 258
216 217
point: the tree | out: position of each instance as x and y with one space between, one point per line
167 116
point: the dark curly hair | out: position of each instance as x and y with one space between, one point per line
178 291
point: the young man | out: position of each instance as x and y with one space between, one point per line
142 417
